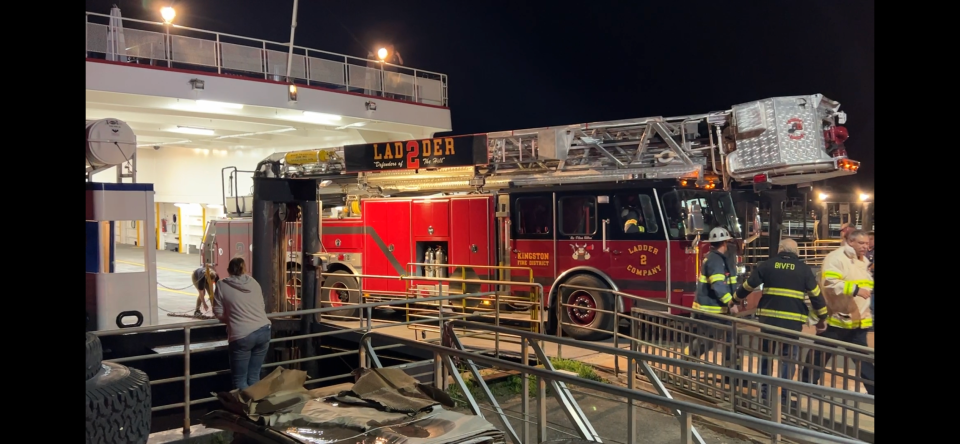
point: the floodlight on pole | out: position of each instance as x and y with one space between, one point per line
168 14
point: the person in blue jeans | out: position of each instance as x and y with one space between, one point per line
238 303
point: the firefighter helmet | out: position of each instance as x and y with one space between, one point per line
719 234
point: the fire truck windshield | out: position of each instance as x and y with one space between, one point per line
717 208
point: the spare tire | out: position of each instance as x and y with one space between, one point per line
94 355
118 405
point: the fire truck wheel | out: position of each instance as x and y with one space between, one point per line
118 405
579 321
338 290
94 355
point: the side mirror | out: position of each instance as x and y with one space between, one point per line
694 223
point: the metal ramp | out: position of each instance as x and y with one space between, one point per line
452 358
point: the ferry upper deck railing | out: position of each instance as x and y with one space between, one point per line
175 46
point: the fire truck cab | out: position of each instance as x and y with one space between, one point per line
609 205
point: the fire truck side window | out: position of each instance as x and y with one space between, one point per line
534 216
674 214
636 213
578 215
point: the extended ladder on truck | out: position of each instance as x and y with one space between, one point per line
779 141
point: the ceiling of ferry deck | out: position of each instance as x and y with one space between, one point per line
157 120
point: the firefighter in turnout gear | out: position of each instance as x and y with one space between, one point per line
786 280
847 289
715 295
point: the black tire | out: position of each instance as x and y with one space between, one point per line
345 282
593 325
94 355
118 405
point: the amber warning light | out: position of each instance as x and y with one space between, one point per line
848 165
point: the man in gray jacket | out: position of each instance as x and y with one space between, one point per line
238 303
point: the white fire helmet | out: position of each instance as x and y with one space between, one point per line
719 234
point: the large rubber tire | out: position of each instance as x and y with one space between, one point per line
584 324
118 406
345 282
94 355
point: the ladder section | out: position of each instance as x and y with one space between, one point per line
780 141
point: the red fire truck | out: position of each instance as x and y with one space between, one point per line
618 205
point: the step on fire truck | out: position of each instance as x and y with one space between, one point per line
618 205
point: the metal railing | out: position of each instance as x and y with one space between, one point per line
151 43
446 368
811 252
734 343
663 359
365 325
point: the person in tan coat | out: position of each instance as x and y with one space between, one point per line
847 286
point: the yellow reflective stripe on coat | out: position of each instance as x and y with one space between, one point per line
732 280
822 311
783 292
703 279
848 288
717 278
782 315
726 298
708 308
850 325
747 286
816 291
865 283
832 275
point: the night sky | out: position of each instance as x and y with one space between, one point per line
523 64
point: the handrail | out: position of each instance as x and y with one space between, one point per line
287 314
319 68
723 371
254 39
850 347
686 407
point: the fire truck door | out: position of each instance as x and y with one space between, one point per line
580 231
531 238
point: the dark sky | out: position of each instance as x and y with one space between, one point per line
520 64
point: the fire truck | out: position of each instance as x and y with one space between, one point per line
617 205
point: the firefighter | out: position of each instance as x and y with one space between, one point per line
785 279
714 295
847 288
633 222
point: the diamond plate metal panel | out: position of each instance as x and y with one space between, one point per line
778 132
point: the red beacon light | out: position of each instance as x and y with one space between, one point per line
761 183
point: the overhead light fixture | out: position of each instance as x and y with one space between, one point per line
352 125
321 116
325 183
192 130
159 144
212 104
371 105
823 196
259 133
196 84
292 93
